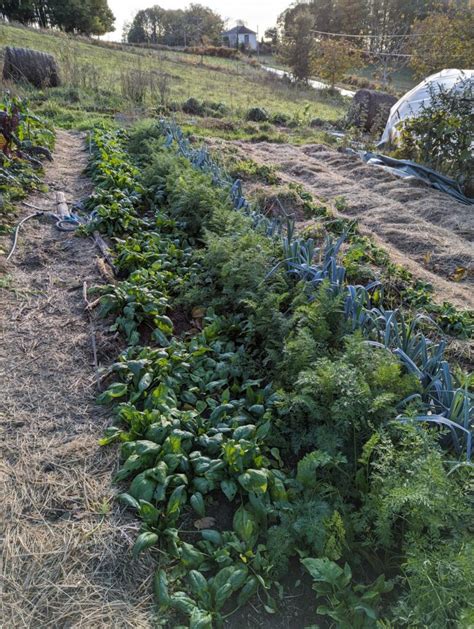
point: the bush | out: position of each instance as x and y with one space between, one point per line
280 119
438 136
361 82
257 114
214 51
195 107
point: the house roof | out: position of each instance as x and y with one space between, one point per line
239 30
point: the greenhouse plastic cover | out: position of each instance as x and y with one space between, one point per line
413 101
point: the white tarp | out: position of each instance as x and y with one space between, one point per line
409 104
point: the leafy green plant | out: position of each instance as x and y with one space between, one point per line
25 140
347 606
437 137
248 170
270 404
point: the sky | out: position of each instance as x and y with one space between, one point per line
261 14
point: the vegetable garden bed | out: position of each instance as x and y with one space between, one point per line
290 424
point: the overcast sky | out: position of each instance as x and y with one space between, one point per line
259 14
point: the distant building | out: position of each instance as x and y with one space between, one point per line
240 36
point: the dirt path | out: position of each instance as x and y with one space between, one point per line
66 559
425 230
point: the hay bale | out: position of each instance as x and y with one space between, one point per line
24 64
370 109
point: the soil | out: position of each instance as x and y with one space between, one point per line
427 231
66 559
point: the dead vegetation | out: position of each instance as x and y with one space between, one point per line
66 558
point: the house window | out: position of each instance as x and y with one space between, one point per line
246 40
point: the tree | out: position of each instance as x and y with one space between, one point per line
334 58
443 41
201 22
176 27
271 36
19 11
298 45
90 17
378 19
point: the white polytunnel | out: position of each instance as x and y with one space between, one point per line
409 105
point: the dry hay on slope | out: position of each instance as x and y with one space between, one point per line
66 555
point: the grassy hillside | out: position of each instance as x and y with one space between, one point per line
101 80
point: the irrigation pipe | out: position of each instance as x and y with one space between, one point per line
17 229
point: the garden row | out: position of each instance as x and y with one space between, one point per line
363 260
273 419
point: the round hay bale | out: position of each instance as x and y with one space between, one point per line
370 109
24 64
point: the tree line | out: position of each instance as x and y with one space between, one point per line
88 17
327 37
380 18
175 27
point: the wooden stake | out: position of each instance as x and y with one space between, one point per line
62 209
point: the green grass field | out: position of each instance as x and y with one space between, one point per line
100 81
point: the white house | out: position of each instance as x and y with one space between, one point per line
240 36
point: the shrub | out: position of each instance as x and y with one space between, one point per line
257 114
280 119
195 107
438 137
213 51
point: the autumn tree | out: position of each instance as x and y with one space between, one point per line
443 41
333 58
